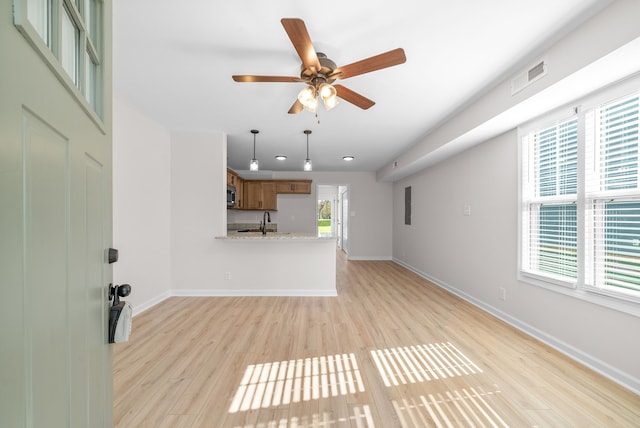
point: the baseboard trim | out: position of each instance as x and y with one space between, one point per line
593 363
138 309
254 293
369 258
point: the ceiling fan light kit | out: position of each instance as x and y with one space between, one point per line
308 98
319 72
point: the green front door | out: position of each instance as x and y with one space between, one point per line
55 216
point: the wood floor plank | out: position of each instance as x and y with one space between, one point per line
392 350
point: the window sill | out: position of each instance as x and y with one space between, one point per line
619 304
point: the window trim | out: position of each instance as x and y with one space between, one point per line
618 300
51 53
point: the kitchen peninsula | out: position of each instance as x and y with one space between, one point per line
286 264
280 262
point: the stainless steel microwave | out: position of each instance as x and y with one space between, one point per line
231 197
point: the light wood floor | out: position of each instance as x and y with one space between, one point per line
391 350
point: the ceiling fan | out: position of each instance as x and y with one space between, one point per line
319 72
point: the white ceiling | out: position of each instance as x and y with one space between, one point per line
174 61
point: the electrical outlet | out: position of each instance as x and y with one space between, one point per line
466 210
503 293
227 276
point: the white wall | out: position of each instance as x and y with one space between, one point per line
370 209
141 204
203 265
198 209
476 255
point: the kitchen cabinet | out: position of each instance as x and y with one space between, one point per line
239 193
302 187
260 195
232 178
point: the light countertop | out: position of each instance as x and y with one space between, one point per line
284 236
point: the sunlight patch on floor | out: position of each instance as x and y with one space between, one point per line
361 418
422 363
466 407
293 381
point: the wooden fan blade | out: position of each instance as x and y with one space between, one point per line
353 97
384 60
299 36
296 107
286 79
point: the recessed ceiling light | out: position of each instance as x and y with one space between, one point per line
281 157
348 158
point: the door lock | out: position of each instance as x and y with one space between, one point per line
119 313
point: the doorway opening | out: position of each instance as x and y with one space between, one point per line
325 208
331 209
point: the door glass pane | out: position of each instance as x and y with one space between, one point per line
70 41
90 80
92 17
38 12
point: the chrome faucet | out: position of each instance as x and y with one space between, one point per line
266 217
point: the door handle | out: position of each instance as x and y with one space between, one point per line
119 314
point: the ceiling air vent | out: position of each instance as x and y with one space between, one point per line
523 80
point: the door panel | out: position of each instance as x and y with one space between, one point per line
47 262
95 308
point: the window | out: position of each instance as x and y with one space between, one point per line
551 194
612 196
68 36
580 197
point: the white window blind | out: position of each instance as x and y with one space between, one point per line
580 198
549 216
613 196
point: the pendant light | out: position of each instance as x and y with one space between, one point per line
253 166
307 161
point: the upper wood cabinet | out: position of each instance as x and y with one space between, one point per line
232 178
263 194
260 195
297 186
239 193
